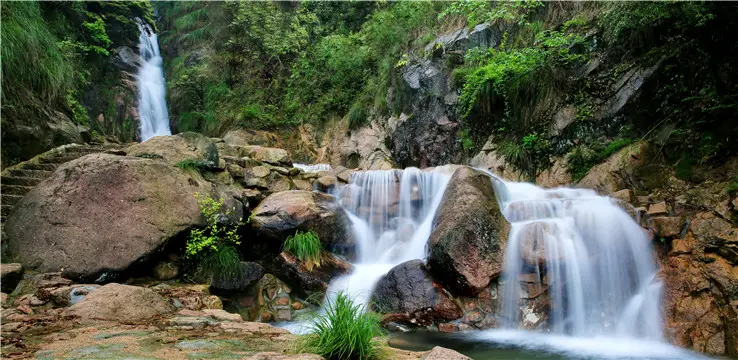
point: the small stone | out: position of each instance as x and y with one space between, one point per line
298 305
440 353
166 270
668 226
658 209
474 316
223 315
284 314
35 301
25 309
447 327
212 302
266 316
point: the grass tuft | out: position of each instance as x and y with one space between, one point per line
306 247
344 332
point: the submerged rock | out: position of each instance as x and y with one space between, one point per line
283 213
408 292
101 213
121 303
469 230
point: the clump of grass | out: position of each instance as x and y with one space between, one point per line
306 247
192 165
344 332
223 262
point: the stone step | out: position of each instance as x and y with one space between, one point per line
8 199
46 167
5 210
24 181
14 189
41 174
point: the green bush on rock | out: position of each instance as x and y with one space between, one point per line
306 247
344 332
213 248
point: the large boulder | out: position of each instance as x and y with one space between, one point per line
408 292
121 303
468 234
101 213
623 169
176 148
282 214
309 281
273 156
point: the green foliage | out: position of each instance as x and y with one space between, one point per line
506 12
194 166
466 142
631 21
356 116
214 246
344 332
79 113
306 247
732 188
585 156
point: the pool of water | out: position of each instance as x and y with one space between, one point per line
523 345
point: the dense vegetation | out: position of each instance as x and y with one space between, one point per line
56 62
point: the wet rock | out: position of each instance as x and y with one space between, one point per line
447 327
267 300
440 353
625 195
468 233
282 214
176 148
65 225
305 281
619 169
121 303
488 158
32 284
408 290
248 273
66 295
10 276
165 270
325 183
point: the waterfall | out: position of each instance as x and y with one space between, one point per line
391 213
595 260
152 106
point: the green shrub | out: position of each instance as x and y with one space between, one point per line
192 165
356 116
306 247
344 332
584 156
213 248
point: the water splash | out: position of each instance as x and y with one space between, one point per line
152 106
595 260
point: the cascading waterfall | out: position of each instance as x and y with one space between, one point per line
152 106
391 216
595 260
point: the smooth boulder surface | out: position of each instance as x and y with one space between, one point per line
101 213
176 148
408 292
121 303
468 234
282 214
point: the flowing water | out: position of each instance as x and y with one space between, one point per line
152 105
312 167
590 259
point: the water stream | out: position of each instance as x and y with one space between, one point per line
152 105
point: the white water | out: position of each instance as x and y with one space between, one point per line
595 259
312 167
152 106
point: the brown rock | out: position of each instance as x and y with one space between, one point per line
212 302
610 175
296 305
122 303
625 195
447 327
658 209
176 148
221 314
268 155
469 229
282 214
325 183
166 270
309 281
64 224
668 226
439 353
302 184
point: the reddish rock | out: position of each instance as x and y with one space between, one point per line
447 327
668 226
658 209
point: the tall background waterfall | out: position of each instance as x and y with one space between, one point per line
152 105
